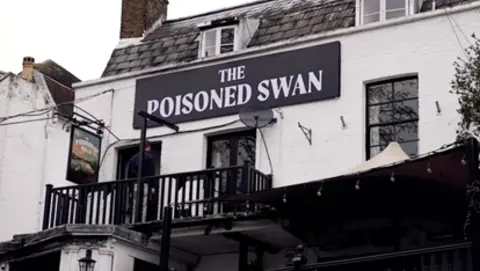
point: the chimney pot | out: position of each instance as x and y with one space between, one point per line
139 15
27 72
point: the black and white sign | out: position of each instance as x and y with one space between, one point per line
275 80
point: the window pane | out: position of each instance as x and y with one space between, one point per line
395 4
376 150
395 14
246 150
371 18
406 132
227 36
210 38
226 48
379 93
406 110
411 148
221 151
380 113
405 89
210 51
371 6
381 135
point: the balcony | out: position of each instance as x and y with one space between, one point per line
194 195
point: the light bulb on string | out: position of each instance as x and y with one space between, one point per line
392 177
429 170
319 191
464 162
284 198
357 185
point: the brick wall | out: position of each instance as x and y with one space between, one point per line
139 15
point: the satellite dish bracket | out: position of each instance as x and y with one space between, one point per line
306 132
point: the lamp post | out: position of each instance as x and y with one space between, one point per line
87 263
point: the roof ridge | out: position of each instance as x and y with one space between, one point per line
56 81
253 3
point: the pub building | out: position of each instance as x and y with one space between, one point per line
286 135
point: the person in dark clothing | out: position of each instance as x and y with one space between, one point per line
148 171
148 167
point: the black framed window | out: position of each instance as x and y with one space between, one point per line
231 149
392 115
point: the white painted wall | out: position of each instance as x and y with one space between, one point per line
31 155
427 47
126 252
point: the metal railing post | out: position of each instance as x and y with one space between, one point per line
139 194
166 235
46 206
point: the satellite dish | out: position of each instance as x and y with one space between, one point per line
256 116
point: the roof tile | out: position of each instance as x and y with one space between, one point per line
176 40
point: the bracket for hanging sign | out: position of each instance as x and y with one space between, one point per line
307 132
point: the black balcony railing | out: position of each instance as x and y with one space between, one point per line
447 257
193 194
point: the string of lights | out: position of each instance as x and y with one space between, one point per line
392 176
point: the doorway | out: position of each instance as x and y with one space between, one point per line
124 154
224 151
151 186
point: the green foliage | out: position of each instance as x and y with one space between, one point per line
466 84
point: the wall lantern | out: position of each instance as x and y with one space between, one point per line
87 263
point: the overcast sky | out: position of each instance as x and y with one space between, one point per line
79 35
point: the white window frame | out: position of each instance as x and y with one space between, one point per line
218 44
409 10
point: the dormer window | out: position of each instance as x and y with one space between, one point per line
218 41
382 10
219 37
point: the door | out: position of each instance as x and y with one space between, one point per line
229 150
151 185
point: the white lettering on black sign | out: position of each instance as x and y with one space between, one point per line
235 95
281 79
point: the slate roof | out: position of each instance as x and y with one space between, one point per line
56 72
174 40
59 82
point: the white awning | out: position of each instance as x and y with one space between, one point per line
392 154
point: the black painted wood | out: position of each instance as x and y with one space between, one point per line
191 194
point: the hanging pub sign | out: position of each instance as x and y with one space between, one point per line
280 79
84 156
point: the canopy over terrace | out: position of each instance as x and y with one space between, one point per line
385 198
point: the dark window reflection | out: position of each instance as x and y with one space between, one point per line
231 150
227 38
393 115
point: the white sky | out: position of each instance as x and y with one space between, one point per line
79 35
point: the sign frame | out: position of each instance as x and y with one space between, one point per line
70 174
274 80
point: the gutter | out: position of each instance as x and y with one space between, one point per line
283 44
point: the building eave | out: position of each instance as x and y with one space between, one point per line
282 44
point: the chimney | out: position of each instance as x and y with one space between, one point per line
27 72
140 15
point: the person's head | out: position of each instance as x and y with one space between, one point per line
148 145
